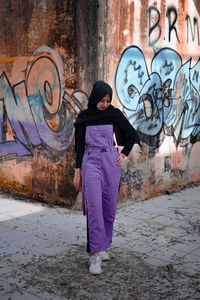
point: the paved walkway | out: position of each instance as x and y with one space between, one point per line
40 247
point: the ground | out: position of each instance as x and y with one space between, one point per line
155 252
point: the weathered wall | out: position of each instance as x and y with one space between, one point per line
153 49
51 54
45 49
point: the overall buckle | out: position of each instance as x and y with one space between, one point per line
103 149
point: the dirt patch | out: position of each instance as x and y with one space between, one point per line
125 276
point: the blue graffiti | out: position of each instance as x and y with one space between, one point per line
169 96
34 113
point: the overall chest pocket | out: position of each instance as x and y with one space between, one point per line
100 135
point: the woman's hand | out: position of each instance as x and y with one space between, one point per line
120 159
77 179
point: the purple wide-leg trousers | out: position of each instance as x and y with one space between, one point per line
100 185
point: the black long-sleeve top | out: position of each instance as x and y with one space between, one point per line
129 135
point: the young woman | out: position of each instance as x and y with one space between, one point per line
98 167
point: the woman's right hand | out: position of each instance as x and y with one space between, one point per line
120 159
77 179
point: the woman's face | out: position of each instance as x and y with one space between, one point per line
104 102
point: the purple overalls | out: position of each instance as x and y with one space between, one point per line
100 184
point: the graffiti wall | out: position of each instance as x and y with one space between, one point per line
51 54
39 98
155 47
167 96
35 112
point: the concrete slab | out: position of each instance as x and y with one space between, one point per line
165 253
183 246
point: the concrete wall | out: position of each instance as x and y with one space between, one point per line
153 47
39 74
51 54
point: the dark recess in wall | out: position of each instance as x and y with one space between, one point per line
86 35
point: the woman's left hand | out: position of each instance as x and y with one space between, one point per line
120 159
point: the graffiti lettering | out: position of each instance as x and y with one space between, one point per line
155 30
172 21
72 68
169 67
189 25
17 111
34 111
169 96
195 76
154 11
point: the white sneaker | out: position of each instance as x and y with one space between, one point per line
95 265
104 255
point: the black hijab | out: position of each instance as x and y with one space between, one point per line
93 116
100 89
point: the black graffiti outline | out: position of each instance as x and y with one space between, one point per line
156 25
195 22
171 22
